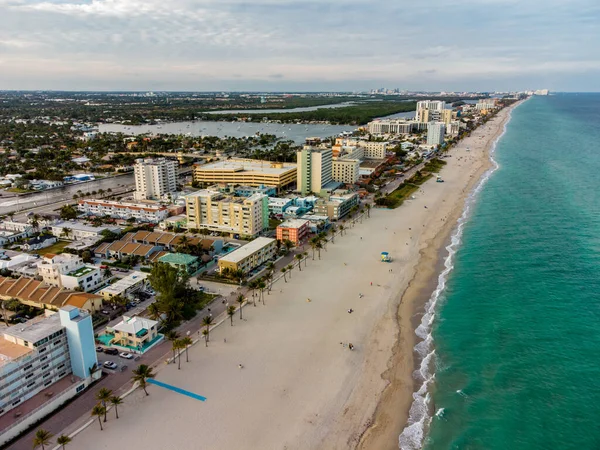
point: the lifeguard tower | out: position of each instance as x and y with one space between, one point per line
385 257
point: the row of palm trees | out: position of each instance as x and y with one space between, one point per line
99 192
179 343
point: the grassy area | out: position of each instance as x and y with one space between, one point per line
434 166
20 190
273 223
402 192
55 248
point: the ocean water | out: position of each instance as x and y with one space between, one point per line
512 341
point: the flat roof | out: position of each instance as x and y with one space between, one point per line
35 329
81 227
247 250
82 271
247 165
293 223
279 201
124 283
10 351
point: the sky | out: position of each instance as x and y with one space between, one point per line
300 45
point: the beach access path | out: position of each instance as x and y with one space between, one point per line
300 386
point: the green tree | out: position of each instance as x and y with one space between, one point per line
42 438
66 232
67 212
299 259
178 345
107 272
207 321
368 207
186 341
99 411
172 336
231 313
116 401
240 300
205 334
319 246
141 376
104 396
289 269
261 287
63 440
283 271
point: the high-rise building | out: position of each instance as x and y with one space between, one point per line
435 133
314 169
432 106
154 178
345 170
215 211
41 352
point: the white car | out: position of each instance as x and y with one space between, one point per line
126 355
110 365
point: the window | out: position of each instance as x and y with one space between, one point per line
42 350
80 388
29 376
16 402
61 366
43 358
46 375
26 368
30 384
45 366
48 383
62 374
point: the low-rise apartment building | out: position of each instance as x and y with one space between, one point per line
69 271
279 205
295 230
338 205
39 354
142 212
250 256
236 215
126 287
75 231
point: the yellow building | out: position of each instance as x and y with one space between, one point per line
249 172
250 256
247 216
136 333
345 170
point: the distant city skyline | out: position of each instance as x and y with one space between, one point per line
291 45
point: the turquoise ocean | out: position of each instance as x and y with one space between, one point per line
511 337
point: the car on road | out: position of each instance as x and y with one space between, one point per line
110 365
111 351
99 349
126 355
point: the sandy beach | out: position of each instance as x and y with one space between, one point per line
300 387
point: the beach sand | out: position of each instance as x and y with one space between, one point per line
299 387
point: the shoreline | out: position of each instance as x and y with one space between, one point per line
393 408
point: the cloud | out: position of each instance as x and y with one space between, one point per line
212 44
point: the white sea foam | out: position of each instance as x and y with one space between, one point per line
419 418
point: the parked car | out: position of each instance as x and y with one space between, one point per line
111 351
126 355
99 349
110 365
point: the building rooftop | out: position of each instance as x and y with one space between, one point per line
73 225
247 165
10 351
134 325
178 258
82 271
277 201
247 250
123 284
35 329
293 223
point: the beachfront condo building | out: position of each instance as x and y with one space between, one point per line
143 212
345 170
43 363
154 178
294 230
247 216
485 105
390 126
250 256
314 169
337 206
435 133
432 106
248 172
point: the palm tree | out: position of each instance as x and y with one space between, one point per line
63 440
172 336
299 258
187 341
178 345
101 192
283 271
207 321
66 232
35 222
305 258
42 438
262 286
252 286
332 231
313 245
109 191
319 246
154 311
107 272
289 268
288 245
269 280
205 334
99 411
104 396
116 401
341 230
240 299
231 313
141 375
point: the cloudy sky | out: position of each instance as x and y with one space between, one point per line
299 44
